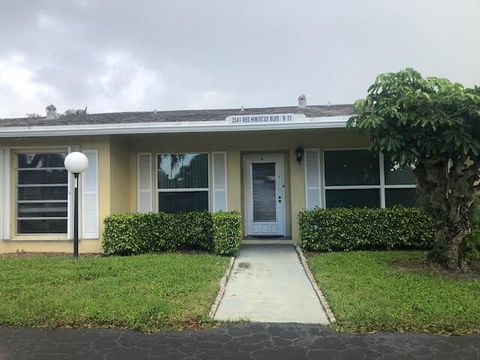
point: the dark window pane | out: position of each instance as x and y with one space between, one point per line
42 226
34 160
353 198
180 171
40 177
404 197
27 177
42 193
397 175
351 167
264 202
183 201
42 210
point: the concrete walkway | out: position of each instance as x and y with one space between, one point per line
269 284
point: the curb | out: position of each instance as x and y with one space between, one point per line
318 291
221 292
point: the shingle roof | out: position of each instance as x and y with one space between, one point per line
175 116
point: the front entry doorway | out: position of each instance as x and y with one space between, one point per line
265 195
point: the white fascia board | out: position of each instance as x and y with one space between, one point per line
329 122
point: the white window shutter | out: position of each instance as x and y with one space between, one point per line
2 192
219 181
312 178
70 192
5 169
90 222
144 183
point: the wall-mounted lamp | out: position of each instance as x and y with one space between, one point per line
299 154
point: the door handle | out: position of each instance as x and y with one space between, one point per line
279 199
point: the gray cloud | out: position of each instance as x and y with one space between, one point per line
124 55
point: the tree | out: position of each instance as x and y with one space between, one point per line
432 125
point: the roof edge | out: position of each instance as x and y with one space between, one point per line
327 122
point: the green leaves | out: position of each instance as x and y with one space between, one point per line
129 234
227 232
353 229
415 117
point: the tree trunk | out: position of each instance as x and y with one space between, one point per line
448 248
447 192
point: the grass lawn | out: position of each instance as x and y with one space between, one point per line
146 292
368 292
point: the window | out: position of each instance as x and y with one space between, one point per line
357 178
182 182
42 191
352 179
351 168
400 188
353 198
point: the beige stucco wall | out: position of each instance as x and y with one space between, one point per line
236 146
119 176
118 169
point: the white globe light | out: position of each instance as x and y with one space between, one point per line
76 162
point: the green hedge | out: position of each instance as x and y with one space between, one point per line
129 234
351 229
226 233
472 242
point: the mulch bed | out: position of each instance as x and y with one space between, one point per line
425 266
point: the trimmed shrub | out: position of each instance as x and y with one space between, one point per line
351 229
129 234
472 242
226 233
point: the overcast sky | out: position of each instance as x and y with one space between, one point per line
118 55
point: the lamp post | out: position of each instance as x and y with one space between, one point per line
76 163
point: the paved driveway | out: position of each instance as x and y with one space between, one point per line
269 284
247 342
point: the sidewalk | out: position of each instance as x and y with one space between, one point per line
269 284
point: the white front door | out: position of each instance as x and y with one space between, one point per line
265 195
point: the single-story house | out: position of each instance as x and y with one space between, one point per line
266 163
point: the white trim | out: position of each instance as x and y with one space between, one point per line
279 160
207 189
319 179
7 169
70 189
325 122
42 201
40 169
95 234
404 186
149 190
225 185
352 187
40 185
183 190
42 218
2 192
155 182
322 177
381 169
